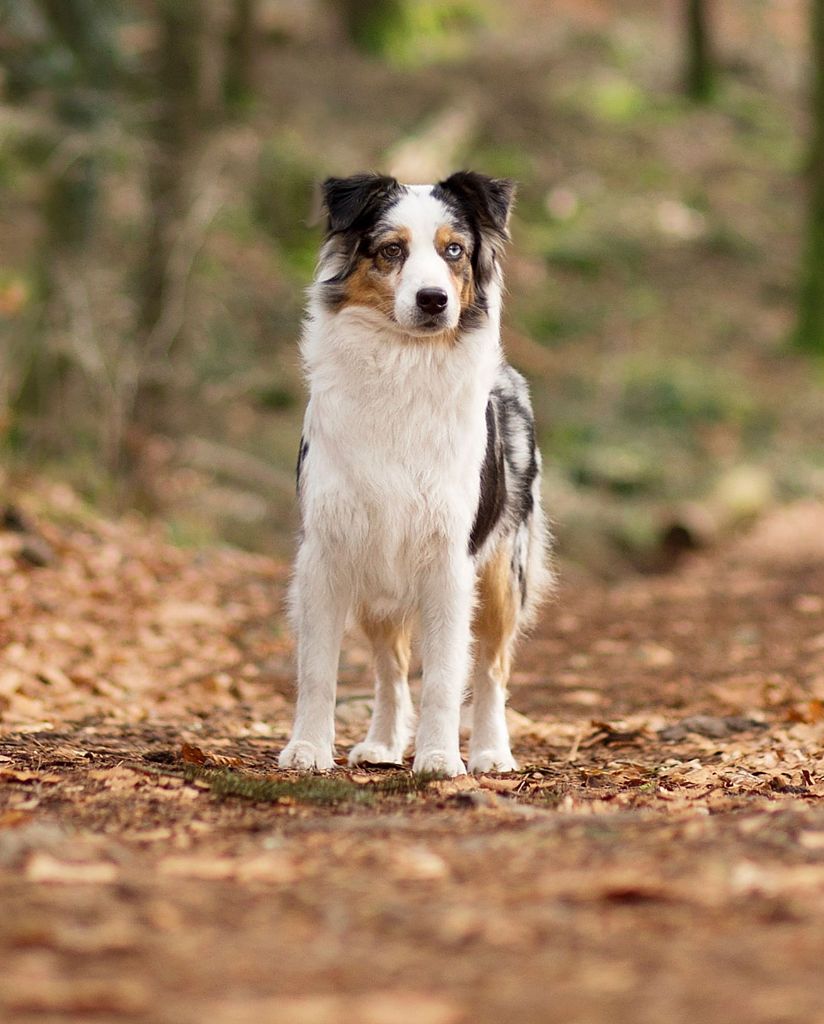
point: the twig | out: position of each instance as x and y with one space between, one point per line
576 743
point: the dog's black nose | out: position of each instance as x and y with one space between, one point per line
432 300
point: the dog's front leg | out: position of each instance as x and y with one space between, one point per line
320 608
446 611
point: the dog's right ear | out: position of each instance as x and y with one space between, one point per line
349 202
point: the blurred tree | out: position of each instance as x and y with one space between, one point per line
79 69
84 27
371 23
810 331
699 77
177 129
241 47
81 90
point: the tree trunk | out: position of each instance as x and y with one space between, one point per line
810 332
71 188
699 78
176 134
84 26
370 23
241 50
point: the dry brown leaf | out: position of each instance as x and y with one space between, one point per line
191 754
271 868
23 775
500 785
416 863
811 711
39 994
372 1008
201 866
43 867
15 818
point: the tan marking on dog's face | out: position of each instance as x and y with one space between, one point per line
373 281
367 286
496 613
460 268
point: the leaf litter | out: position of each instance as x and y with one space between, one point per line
155 865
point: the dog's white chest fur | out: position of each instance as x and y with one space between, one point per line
396 435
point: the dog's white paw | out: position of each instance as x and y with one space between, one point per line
374 753
484 761
438 762
306 757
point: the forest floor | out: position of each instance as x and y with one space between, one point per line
659 857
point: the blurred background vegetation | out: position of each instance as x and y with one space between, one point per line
158 226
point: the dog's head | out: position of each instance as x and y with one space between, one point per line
419 256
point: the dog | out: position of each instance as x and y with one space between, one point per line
418 473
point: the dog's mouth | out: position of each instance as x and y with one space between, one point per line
431 324
426 325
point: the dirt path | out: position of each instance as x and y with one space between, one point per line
660 857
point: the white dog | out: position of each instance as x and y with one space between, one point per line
418 473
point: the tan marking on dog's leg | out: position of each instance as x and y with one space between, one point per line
392 718
495 626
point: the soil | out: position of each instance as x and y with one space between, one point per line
659 856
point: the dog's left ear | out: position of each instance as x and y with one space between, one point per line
488 200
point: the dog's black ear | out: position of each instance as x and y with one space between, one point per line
351 201
488 200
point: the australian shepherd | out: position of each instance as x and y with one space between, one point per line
418 473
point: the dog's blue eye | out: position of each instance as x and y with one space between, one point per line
454 251
391 251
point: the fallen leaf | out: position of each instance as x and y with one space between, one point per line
371 1008
416 863
191 754
268 867
811 712
23 775
42 867
209 869
126 996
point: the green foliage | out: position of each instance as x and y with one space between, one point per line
501 160
276 397
680 395
319 790
282 201
616 99
407 33
554 324
620 469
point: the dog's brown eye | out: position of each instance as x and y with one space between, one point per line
391 251
454 251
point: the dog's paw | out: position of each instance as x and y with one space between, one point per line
369 752
438 762
303 756
484 761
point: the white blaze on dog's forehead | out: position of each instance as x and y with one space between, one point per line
420 213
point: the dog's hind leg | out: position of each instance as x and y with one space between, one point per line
495 628
392 719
